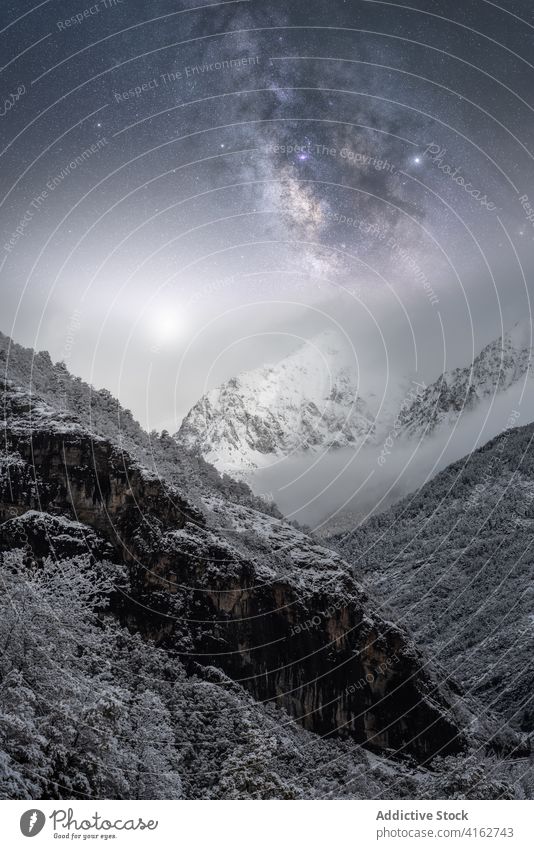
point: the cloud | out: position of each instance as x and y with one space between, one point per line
346 486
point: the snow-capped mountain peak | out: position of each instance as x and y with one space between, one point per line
498 366
307 401
310 402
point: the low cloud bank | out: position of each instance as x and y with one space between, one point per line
340 488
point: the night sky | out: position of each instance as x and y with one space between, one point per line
188 191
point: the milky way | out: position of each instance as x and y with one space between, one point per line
186 191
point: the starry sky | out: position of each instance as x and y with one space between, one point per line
190 189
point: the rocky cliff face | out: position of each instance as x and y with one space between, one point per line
222 584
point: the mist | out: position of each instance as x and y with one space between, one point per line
339 489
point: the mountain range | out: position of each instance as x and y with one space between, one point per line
168 635
500 365
310 403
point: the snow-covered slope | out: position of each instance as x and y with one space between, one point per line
184 566
307 402
310 402
499 365
454 563
198 633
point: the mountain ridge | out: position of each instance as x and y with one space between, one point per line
306 402
498 366
454 562
257 642
208 588
310 403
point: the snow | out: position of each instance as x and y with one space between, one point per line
133 721
500 366
308 406
306 401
